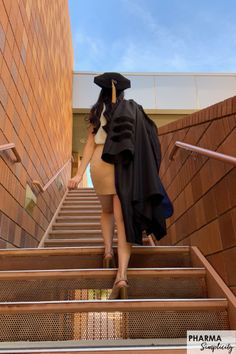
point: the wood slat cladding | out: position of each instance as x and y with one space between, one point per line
203 190
36 62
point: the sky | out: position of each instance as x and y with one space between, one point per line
154 35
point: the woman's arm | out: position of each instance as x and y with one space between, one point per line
87 155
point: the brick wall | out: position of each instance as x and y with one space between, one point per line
203 190
36 62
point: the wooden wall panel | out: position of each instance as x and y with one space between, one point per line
36 64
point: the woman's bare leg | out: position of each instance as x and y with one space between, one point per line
124 248
107 221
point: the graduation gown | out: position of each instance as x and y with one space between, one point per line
132 145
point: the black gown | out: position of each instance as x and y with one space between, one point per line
132 145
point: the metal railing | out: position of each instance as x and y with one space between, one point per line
45 187
11 146
209 153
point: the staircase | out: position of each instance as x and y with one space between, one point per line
54 299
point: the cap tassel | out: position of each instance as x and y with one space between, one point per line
113 99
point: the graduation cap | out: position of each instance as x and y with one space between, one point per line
115 81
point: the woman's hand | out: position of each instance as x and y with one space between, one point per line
73 182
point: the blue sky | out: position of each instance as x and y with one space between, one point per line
154 35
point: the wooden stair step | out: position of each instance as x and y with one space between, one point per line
80 212
77 225
83 207
83 194
74 234
127 305
90 192
136 350
94 274
162 318
75 242
116 346
82 197
48 285
84 201
81 202
82 190
78 218
136 346
80 206
91 257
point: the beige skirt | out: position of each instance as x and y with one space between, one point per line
102 173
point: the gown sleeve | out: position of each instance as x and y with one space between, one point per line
119 145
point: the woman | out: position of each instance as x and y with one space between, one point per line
124 151
102 175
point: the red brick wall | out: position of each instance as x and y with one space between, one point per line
203 190
36 62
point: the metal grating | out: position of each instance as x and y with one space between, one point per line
107 325
160 260
99 288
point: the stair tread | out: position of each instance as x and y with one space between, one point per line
81 202
67 219
68 241
79 231
89 195
77 224
80 213
79 206
91 273
117 346
89 239
83 199
83 195
90 217
91 250
55 255
204 304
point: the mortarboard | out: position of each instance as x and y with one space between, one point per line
113 81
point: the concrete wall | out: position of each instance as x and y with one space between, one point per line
203 190
36 63
161 91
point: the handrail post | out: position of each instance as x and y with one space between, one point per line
173 152
11 146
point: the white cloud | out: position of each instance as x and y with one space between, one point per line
88 50
91 43
166 50
158 48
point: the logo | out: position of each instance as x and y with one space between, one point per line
211 342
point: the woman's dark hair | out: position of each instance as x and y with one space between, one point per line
104 98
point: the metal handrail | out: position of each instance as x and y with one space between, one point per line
11 146
44 188
209 153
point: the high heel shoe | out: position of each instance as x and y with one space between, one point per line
119 291
109 260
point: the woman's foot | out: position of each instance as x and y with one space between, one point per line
109 260
119 290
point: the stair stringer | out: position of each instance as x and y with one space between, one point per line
49 228
215 285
